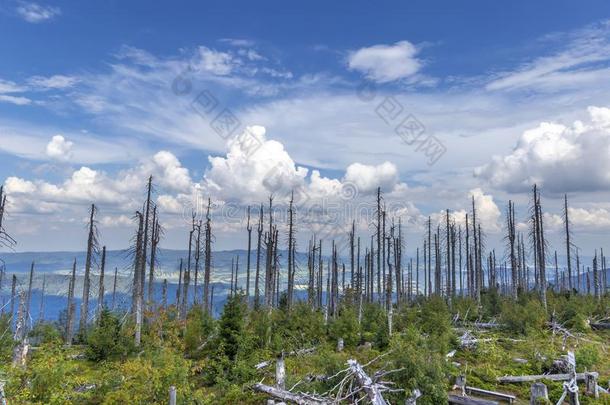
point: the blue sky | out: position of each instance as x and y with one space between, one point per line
516 93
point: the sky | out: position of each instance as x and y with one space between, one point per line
436 102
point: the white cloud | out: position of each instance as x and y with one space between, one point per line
59 148
580 61
35 13
216 62
367 178
110 221
85 185
7 86
253 168
487 212
18 100
386 63
52 82
557 157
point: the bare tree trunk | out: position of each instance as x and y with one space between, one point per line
154 244
179 289
511 241
28 301
91 250
71 306
259 230
568 245
114 288
290 252
41 312
379 296
100 295
249 229
208 259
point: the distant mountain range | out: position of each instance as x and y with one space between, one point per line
55 268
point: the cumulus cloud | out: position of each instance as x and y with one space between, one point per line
386 63
488 213
86 185
35 13
580 219
59 148
367 178
559 158
253 167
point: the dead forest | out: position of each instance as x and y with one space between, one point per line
366 318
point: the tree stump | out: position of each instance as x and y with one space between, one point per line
591 385
280 372
340 345
172 395
539 394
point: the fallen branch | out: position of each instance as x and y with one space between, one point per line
551 377
300 398
371 389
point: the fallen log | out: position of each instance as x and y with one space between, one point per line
459 400
301 399
371 389
551 377
600 325
498 395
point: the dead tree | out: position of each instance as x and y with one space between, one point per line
20 336
29 296
568 245
249 229
379 219
259 231
187 274
290 252
92 247
144 252
207 274
70 308
511 246
138 293
41 312
596 287
154 245
114 288
100 295
197 254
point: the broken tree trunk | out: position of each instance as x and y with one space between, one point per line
366 383
301 399
280 372
551 377
538 394
459 400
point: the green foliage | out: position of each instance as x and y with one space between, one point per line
375 325
419 366
6 339
435 322
345 326
222 371
107 339
231 325
526 316
44 332
296 328
199 326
